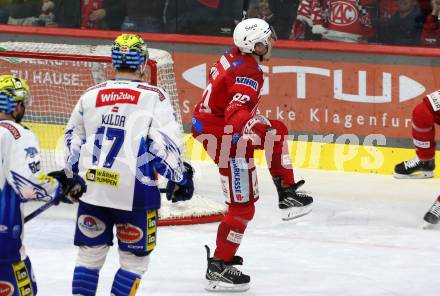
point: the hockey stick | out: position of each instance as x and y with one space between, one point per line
51 203
39 210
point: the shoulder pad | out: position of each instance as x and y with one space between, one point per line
12 129
160 92
103 84
243 68
237 63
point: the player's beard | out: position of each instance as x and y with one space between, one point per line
19 116
266 57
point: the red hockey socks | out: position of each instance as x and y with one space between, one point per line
423 131
231 230
277 154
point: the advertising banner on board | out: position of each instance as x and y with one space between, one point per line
314 96
309 96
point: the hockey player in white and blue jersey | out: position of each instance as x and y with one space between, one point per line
121 133
21 180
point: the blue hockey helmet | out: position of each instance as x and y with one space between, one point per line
129 51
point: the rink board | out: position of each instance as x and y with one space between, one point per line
331 156
309 155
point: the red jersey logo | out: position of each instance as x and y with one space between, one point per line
117 96
128 233
6 289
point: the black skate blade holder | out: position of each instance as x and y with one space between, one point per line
237 260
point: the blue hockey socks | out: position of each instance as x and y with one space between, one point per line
125 283
85 281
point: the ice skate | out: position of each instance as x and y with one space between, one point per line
224 277
292 202
432 217
415 169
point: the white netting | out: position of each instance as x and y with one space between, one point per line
57 83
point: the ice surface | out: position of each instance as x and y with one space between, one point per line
363 238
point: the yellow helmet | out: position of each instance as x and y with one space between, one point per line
12 90
129 51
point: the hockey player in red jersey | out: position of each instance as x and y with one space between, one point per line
227 124
424 118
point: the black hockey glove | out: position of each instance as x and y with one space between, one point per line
176 192
72 188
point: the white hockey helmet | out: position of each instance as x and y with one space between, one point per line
250 32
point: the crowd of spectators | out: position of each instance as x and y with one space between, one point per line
393 22
207 17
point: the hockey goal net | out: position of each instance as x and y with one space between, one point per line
58 74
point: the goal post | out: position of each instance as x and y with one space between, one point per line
58 74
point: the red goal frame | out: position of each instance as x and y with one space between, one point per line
153 80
